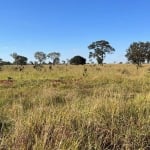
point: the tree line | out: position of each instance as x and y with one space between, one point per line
137 53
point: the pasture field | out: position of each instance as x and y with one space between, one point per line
61 109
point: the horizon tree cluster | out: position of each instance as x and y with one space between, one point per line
137 53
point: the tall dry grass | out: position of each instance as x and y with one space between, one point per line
109 108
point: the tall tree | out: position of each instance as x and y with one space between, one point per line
100 49
40 56
147 48
56 61
21 60
1 62
14 55
54 56
18 59
136 53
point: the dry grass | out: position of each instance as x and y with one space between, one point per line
109 108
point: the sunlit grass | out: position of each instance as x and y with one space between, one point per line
109 108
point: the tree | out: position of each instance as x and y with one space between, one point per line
63 62
147 48
40 56
54 56
100 49
19 60
78 60
4 62
14 55
136 53
1 62
56 61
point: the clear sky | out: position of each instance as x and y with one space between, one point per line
69 26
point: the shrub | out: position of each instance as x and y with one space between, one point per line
78 60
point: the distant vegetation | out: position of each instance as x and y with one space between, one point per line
78 60
4 62
138 53
100 49
19 60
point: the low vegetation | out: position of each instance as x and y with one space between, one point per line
87 107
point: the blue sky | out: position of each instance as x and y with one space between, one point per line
69 26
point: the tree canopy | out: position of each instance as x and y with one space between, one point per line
40 56
147 48
78 60
54 56
100 49
18 59
138 53
1 62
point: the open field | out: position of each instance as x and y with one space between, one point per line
60 109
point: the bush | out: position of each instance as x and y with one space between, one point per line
77 60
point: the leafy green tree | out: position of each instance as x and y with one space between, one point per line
100 49
147 48
21 60
56 61
55 57
40 56
18 59
136 53
1 62
78 60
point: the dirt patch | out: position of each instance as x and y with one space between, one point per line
6 82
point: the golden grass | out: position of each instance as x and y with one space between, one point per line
109 108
